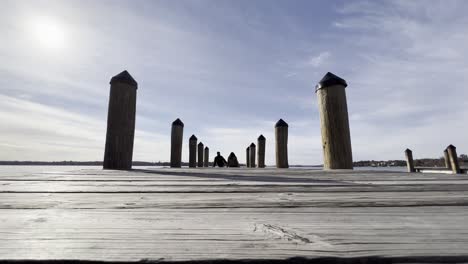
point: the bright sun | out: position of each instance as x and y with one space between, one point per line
49 33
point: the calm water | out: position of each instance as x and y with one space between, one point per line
51 169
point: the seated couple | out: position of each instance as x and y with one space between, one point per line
221 162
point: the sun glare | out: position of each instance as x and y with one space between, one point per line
49 33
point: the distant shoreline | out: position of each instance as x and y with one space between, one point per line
184 164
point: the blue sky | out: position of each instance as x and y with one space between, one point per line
230 70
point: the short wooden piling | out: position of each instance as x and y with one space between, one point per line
281 144
334 123
409 160
452 153
193 151
261 151
247 163
206 157
177 134
120 134
447 159
252 155
200 155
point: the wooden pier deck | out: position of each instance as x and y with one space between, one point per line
234 214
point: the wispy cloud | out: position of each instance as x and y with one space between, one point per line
318 60
230 70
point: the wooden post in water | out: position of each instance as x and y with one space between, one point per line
247 163
261 151
334 123
200 155
447 159
409 160
206 157
193 152
177 134
281 144
120 134
452 153
252 150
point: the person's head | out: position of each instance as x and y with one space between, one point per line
219 153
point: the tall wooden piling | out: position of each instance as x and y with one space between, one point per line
452 153
261 151
409 160
206 157
177 134
281 144
200 155
334 123
247 163
447 159
120 134
193 151
252 155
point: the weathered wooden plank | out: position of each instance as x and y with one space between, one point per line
193 214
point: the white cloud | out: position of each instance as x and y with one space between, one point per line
34 131
319 59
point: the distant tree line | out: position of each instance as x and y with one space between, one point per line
463 159
427 162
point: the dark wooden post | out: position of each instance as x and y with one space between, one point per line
281 144
409 160
447 159
261 151
193 152
452 153
206 157
252 150
118 151
334 123
177 134
200 155
247 163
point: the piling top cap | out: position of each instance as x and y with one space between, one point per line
193 137
206 148
408 150
328 80
281 123
261 137
200 144
451 147
124 77
252 145
177 122
248 148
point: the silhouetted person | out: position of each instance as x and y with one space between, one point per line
232 160
219 161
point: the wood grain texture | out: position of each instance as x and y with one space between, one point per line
447 160
253 155
409 160
200 152
120 134
236 213
177 135
192 153
453 158
334 125
247 157
281 147
261 142
206 157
